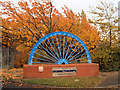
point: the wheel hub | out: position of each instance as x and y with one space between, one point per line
62 61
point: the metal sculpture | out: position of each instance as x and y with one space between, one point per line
59 48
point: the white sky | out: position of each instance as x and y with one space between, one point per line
76 5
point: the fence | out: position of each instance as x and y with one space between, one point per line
8 57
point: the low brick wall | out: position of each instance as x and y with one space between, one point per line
32 71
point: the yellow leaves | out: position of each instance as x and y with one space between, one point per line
12 74
34 38
32 19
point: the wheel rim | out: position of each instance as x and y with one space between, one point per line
59 48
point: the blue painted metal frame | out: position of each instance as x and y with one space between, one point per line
60 61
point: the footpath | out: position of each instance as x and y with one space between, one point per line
110 79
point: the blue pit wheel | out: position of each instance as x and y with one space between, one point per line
59 48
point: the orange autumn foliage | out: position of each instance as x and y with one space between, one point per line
24 25
21 58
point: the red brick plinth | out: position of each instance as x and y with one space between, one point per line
32 71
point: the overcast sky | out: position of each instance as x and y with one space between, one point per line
76 5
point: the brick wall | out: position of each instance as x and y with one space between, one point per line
32 71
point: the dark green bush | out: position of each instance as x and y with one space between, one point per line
107 57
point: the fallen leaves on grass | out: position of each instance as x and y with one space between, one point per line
10 74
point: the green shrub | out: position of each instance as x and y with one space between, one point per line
107 57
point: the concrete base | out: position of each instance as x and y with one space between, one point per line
46 70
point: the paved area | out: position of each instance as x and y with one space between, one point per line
110 79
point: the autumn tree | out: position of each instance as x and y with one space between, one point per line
106 18
106 54
23 25
90 34
78 25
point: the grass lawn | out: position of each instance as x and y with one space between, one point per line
66 82
16 74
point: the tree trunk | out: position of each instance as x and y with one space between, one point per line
5 57
12 57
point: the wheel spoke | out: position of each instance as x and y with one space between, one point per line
48 51
43 62
75 55
60 45
58 48
40 59
68 47
45 54
76 60
53 48
63 45
57 44
81 58
73 51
